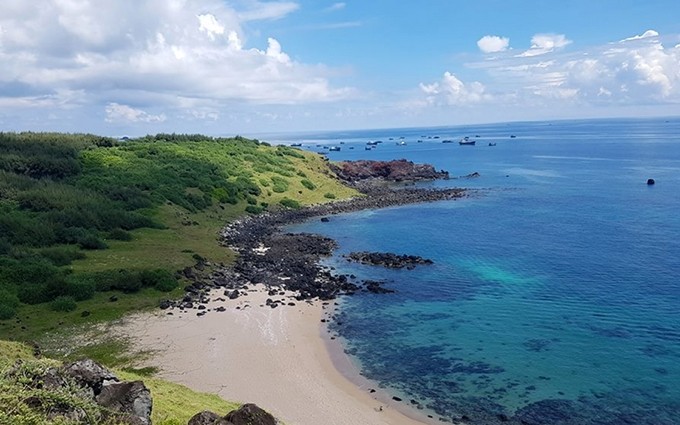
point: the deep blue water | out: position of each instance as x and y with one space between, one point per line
559 279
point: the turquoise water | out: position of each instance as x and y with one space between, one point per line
558 280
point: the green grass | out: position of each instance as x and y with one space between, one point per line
34 321
173 404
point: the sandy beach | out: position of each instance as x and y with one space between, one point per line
274 357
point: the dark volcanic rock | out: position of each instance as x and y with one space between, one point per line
250 414
132 399
397 170
90 374
207 418
388 259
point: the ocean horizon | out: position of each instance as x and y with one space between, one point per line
554 291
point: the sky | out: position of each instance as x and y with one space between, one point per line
226 67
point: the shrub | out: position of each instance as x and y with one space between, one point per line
121 280
8 305
251 200
80 287
92 242
264 182
279 189
329 195
120 235
290 203
7 312
61 256
253 209
166 284
64 303
308 184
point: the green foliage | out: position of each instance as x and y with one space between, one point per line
290 203
8 304
64 303
160 279
61 255
254 209
280 184
80 287
329 195
120 235
308 184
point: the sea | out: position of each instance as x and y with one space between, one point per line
554 293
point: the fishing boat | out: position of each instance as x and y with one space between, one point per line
467 142
334 149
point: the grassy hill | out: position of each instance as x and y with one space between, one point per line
85 219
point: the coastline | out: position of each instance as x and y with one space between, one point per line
254 332
277 358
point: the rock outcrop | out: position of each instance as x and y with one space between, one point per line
397 171
387 259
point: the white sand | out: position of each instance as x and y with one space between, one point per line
275 358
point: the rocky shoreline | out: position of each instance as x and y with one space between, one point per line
291 261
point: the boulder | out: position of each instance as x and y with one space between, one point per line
650 182
207 418
132 399
250 414
89 373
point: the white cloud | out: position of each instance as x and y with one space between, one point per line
646 34
452 91
546 43
268 11
336 6
638 70
138 51
209 25
123 113
493 44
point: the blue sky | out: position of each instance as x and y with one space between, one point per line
247 66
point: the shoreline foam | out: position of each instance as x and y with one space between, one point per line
274 357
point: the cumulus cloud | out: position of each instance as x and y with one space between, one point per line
124 113
493 44
546 43
646 34
452 91
637 70
115 53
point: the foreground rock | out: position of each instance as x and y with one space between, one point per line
387 259
248 414
86 392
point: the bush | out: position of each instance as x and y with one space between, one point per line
8 305
7 312
156 278
251 200
80 287
61 256
166 284
64 303
34 293
120 235
308 184
329 195
92 242
253 209
121 280
290 203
